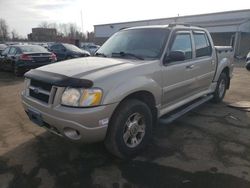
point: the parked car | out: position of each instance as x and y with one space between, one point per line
20 58
118 95
2 47
248 61
67 51
90 47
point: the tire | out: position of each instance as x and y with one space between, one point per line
221 88
120 138
248 65
17 71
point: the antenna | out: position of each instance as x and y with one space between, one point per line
81 21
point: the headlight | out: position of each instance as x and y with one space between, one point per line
81 97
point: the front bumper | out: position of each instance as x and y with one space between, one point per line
90 123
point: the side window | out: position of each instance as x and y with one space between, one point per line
12 51
55 47
62 48
18 51
6 50
182 42
202 45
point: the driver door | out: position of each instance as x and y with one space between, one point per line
177 76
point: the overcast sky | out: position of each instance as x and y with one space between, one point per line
22 15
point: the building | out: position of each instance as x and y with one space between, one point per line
226 28
42 34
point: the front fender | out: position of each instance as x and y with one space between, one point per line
129 86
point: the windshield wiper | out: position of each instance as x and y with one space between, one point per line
100 54
122 54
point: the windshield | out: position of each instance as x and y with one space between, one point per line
33 48
72 48
147 43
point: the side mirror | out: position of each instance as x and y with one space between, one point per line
175 56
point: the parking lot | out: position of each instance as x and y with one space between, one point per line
209 147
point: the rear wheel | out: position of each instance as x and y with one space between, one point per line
130 129
221 88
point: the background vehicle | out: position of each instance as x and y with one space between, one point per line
248 61
20 58
2 47
90 47
67 51
137 76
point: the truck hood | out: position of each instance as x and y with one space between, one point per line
84 67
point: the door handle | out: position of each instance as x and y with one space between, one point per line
189 66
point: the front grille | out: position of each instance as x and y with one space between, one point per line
40 90
40 84
39 96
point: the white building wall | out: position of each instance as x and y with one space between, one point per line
216 22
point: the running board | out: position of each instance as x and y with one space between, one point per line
170 117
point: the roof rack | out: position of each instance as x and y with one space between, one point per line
183 24
176 24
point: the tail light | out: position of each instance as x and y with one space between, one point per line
53 57
25 57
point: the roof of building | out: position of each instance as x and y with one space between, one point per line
188 16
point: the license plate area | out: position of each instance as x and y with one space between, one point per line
35 117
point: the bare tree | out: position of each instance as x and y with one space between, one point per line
44 24
65 30
3 30
14 35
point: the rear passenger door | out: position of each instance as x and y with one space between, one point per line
204 62
177 80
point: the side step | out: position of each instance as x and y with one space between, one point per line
170 117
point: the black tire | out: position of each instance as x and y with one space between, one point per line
115 142
219 92
248 65
17 71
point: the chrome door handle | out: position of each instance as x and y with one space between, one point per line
189 66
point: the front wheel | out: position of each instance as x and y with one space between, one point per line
248 65
130 129
221 88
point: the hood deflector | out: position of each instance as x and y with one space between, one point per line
58 79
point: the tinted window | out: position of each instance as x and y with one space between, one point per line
12 51
5 52
182 42
58 47
146 43
33 48
202 46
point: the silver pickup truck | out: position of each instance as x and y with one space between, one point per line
138 76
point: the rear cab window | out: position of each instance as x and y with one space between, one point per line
203 47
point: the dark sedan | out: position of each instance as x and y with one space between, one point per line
20 58
67 51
